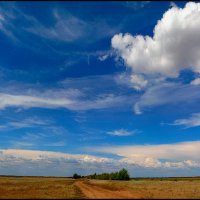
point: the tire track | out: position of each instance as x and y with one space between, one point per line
96 192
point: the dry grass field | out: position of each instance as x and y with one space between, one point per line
154 188
38 187
63 188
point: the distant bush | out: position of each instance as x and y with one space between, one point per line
76 176
120 175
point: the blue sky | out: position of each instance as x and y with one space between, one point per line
96 86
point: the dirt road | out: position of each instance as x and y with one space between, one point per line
95 192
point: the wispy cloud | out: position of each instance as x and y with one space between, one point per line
167 94
64 25
75 94
192 121
52 136
122 132
70 28
5 26
25 123
67 29
28 101
136 5
58 38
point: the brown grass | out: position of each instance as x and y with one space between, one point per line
148 189
63 188
38 187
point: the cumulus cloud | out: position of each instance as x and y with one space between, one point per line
184 150
121 132
175 46
192 121
34 162
178 155
40 155
142 161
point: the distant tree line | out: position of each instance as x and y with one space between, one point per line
120 175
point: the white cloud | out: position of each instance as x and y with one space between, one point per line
48 135
25 123
135 5
5 26
142 161
192 163
196 81
121 132
174 46
64 26
59 101
138 81
26 101
167 93
68 29
34 162
103 58
40 155
173 4
184 150
75 94
29 122
192 121
178 155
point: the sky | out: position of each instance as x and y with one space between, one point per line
97 86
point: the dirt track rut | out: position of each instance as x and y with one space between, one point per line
96 192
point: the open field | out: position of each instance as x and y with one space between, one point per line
156 188
52 187
38 187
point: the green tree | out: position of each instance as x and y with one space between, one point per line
123 175
76 176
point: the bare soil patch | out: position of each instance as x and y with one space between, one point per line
94 191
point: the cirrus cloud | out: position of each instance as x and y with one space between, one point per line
67 102
192 121
122 132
